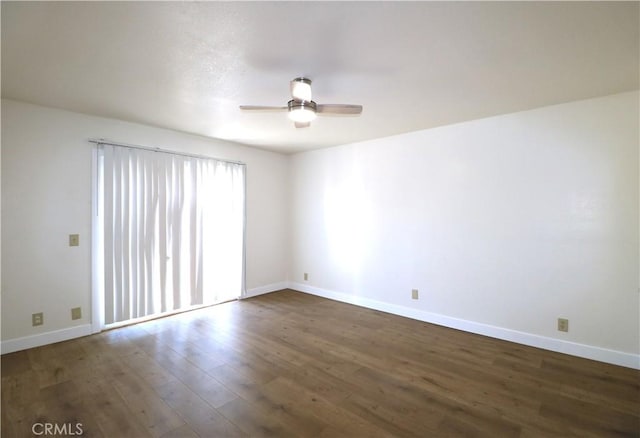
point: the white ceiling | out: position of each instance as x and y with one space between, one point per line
415 65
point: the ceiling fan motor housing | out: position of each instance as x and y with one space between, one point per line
301 89
301 110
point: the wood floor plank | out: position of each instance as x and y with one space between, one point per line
382 417
111 412
326 381
207 387
15 363
192 376
599 418
253 420
20 393
240 385
595 381
145 404
66 404
147 369
441 406
183 431
9 427
200 416
340 422
284 406
292 364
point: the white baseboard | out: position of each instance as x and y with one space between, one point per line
11 345
265 289
581 350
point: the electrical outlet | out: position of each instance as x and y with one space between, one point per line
37 319
414 294
74 240
563 325
306 277
76 313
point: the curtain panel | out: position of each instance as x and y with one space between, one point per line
171 231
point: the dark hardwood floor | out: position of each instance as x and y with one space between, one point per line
291 364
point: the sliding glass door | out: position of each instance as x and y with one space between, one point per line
169 232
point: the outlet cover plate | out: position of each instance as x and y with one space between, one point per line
74 240
563 325
37 319
76 313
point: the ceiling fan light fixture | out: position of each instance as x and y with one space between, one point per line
301 89
302 112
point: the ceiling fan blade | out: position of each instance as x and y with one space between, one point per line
302 124
262 108
338 109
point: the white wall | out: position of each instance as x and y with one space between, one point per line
46 195
503 224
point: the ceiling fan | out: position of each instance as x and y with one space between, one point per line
302 110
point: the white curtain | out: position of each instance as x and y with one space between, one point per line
170 231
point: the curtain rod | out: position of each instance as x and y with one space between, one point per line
166 151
